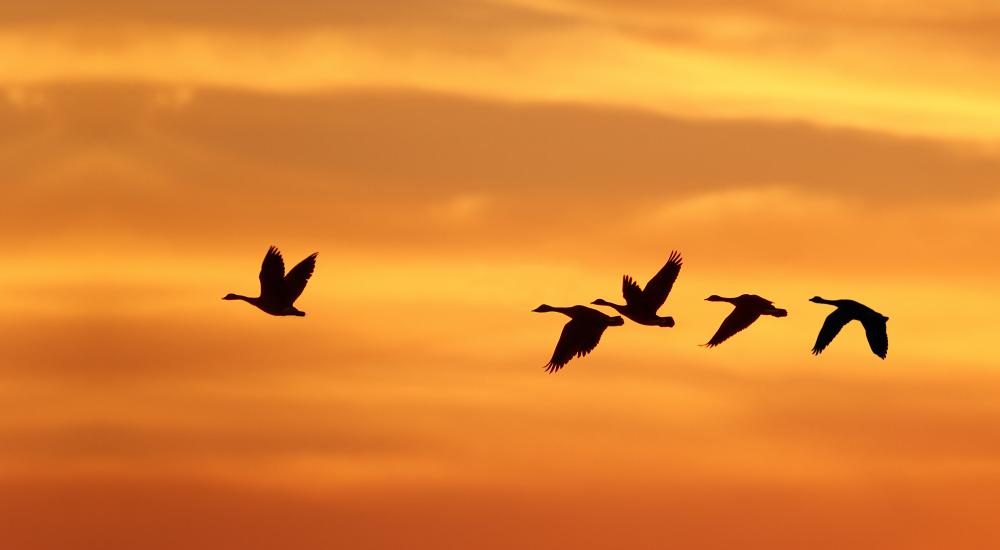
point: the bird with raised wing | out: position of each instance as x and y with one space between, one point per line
580 335
749 307
278 291
641 304
847 311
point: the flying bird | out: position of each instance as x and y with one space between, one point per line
847 311
641 304
748 308
279 291
580 335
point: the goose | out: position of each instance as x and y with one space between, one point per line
580 335
641 304
847 311
279 291
748 308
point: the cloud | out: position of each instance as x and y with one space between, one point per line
414 140
116 513
821 18
707 66
264 16
859 453
142 165
411 140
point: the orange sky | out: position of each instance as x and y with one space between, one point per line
456 164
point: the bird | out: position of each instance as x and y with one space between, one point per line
641 304
748 308
847 311
580 335
279 291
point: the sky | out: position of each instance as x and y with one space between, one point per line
456 164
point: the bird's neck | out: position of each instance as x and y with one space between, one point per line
251 300
617 307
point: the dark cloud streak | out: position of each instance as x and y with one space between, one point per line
266 16
391 165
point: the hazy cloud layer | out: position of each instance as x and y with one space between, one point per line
767 60
213 515
417 143
266 16
400 168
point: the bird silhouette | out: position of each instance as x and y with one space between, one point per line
641 304
847 311
580 335
279 291
748 308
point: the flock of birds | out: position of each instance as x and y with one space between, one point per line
279 290
586 325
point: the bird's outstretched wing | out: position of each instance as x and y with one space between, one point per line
658 288
298 276
631 290
272 274
579 337
738 320
831 327
878 339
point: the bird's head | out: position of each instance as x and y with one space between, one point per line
542 308
666 322
616 321
816 299
601 302
231 296
715 298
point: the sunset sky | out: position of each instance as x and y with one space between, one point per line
457 163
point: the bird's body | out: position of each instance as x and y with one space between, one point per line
641 305
580 335
749 307
847 311
279 291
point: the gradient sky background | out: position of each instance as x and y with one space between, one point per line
457 163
